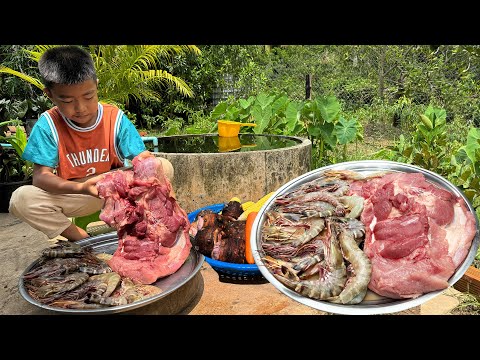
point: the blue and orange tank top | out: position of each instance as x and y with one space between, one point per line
87 151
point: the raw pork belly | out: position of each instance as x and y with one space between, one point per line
153 239
417 234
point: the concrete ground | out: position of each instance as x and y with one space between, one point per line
204 294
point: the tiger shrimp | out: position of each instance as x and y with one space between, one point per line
75 304
64 249
332 273
288 252
332 185
55 287
350 175
356 285
318 203
130 292
354 205
292 233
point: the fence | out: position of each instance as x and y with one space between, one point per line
402 77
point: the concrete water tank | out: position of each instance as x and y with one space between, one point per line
243 167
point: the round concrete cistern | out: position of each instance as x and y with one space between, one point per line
210 169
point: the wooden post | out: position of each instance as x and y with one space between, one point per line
308 87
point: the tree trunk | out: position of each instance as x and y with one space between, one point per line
308 87
381 70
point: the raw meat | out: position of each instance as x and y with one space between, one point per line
417 234
153 239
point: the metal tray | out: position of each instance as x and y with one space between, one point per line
380 305
107 243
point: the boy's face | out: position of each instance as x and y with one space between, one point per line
78 102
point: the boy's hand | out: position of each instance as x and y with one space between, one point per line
89 186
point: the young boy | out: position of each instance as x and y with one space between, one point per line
77 138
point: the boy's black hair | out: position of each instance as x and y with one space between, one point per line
66 65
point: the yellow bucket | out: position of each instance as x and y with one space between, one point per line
228 128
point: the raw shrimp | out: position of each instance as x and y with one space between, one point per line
295 235
64 249
356 286
332 185
354 204
53 288
312 201
332 273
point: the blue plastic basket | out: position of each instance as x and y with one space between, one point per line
226 270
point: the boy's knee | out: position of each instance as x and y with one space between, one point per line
19 199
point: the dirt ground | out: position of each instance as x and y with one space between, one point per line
205 294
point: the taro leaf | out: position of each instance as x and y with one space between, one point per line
345 130
263 100
325 132
245 104
435 115
473 144
261 117
219 111
313 130
329 108
279 105
245 118
292 117
232 113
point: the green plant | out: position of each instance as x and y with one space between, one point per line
476 261
327 130
464 168
12 166
125 72
468 304
24 109
427 147
277 114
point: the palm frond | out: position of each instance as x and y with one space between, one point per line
30 79
164 76
126 71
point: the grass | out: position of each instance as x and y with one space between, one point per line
376 136
468 305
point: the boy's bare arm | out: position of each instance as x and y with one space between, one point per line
44 178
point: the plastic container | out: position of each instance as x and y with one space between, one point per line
229 271
228 128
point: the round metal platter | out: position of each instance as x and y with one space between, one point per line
373 303
107 243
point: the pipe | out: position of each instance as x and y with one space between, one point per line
153 139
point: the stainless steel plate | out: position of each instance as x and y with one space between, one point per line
107 243
372 304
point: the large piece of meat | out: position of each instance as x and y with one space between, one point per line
153 239
417 234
